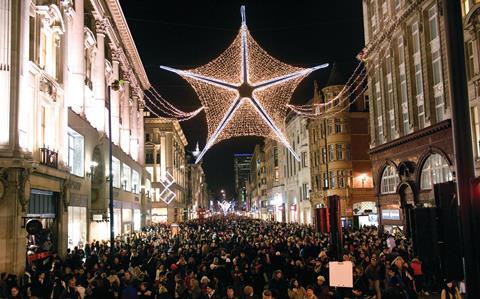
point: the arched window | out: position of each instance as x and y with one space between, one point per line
436 169
389 180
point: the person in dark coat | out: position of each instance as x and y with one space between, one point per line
70 292
278 285
40 287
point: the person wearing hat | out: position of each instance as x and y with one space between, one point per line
321 288
401 279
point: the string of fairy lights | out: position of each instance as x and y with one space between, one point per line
245 91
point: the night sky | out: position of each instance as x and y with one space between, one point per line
187 34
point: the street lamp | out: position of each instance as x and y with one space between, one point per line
115 86
92 166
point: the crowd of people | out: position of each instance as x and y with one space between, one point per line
231 258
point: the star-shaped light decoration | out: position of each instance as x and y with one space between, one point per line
245 91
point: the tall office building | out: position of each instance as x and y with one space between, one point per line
241 164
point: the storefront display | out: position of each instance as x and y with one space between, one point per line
77 227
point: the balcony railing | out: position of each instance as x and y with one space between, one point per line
48 157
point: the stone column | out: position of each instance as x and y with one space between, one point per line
115 101
76 61
12 206
99 75
125 138
133 127
141 133
163 156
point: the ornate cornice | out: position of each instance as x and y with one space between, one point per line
444 125
128 42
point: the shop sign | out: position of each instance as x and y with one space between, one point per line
391 214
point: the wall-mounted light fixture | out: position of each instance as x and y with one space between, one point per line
91 168
363 178
124 183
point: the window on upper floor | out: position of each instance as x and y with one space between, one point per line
339 149
338 125
46 33
331 152
135 182
435 170
333 179
342 178
347 152
469 55
147 137
75 152
474 115
390 180
149 157
304 159
126 178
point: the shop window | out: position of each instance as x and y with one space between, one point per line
77 227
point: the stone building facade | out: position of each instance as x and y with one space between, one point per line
257 185
59 60
166 163
339 160
296 174
411 137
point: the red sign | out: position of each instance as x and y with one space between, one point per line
38 256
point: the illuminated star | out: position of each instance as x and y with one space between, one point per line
245 91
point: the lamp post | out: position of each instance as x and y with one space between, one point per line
115 86
462 144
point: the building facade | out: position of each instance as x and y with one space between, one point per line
411 138
471 13
257 185
339 160
166 163
197 191
58 62
296 175
276 202
241 167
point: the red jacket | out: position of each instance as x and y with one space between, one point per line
417 267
